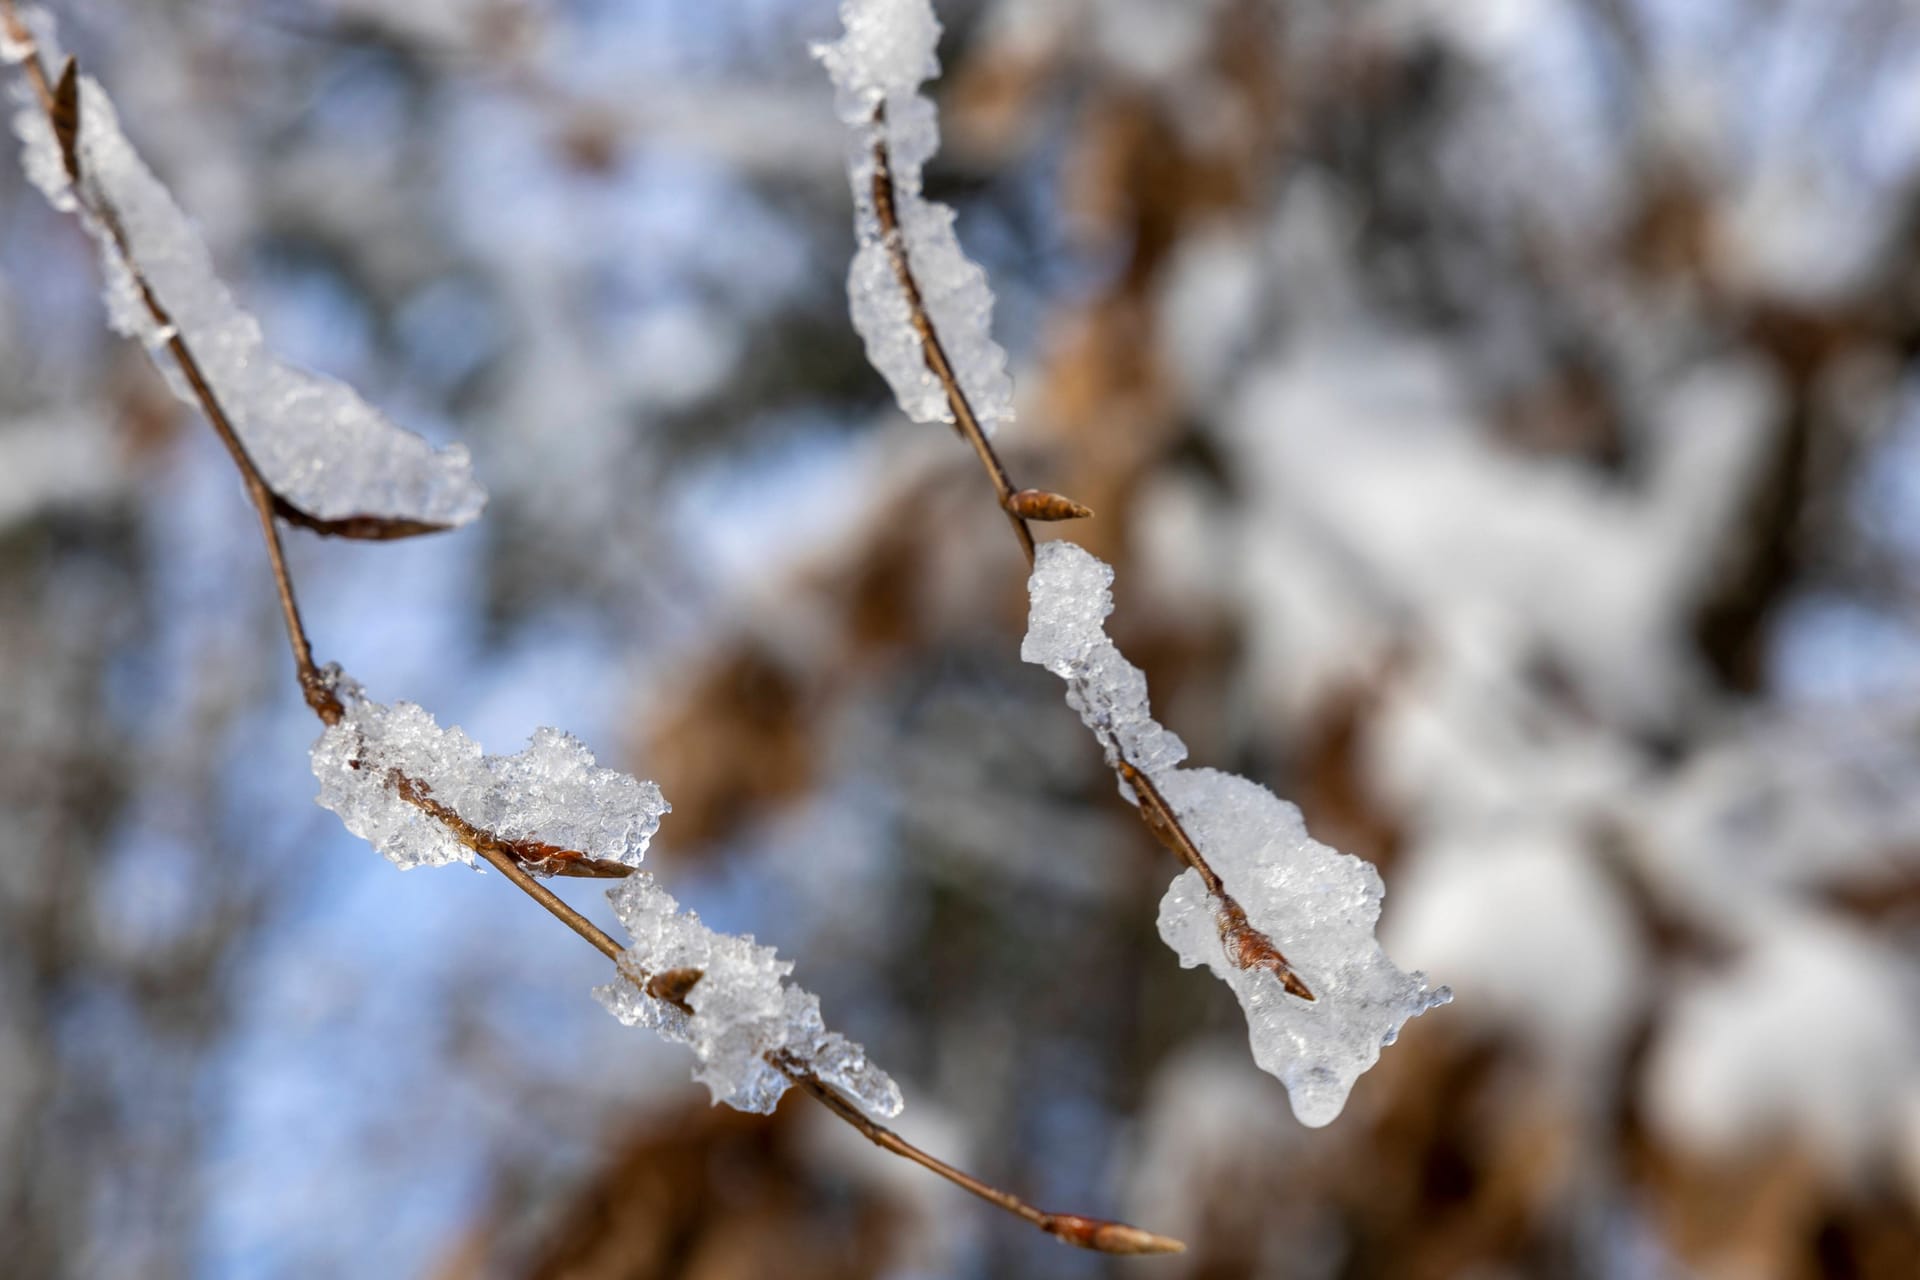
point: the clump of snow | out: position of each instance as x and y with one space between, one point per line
878 65
1317 905
1070 596
1806 1038
1784 807
49 462
40 37
551 793
314 440
1387 507
742 1009
1533 934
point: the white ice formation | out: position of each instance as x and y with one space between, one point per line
739 1012
885 54
315 441
551 793
742 1008
1317 905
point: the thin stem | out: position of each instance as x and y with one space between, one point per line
506 857
966 421
1098 1234
556 906
1247 946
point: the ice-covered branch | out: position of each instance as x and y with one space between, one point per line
311 452
332 461
1261 886
745 1024
1287 922
923 308
426 796
878 66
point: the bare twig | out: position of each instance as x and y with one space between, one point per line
1098 1234
1246 946
521 862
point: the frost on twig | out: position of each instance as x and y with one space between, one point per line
336 462
1317 905
878 65
421 794
426 796
741 1019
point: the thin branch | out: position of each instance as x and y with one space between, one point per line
1097 1234
966 422
518 861
1246 946
61 106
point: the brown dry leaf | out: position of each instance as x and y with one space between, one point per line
737 742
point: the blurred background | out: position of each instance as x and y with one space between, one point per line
1500 414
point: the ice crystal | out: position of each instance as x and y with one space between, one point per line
885 54
742 1009
314 440
549 794
382 768
1319 906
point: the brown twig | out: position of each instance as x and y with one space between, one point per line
519 861
1246 946
1099 1234
966 422
60 102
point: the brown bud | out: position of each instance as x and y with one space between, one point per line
673 984
66 118
1038 504
1103 1236
362 528
1249 948
546 860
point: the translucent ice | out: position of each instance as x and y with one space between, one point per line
551 793
885 54
315 441
1317 905
742 1008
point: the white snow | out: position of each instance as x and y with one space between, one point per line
314 440
1317 905
1535 938
1807 1037
742 1008
551 793
887 51
1780 808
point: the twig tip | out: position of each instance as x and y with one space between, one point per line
1103 1236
